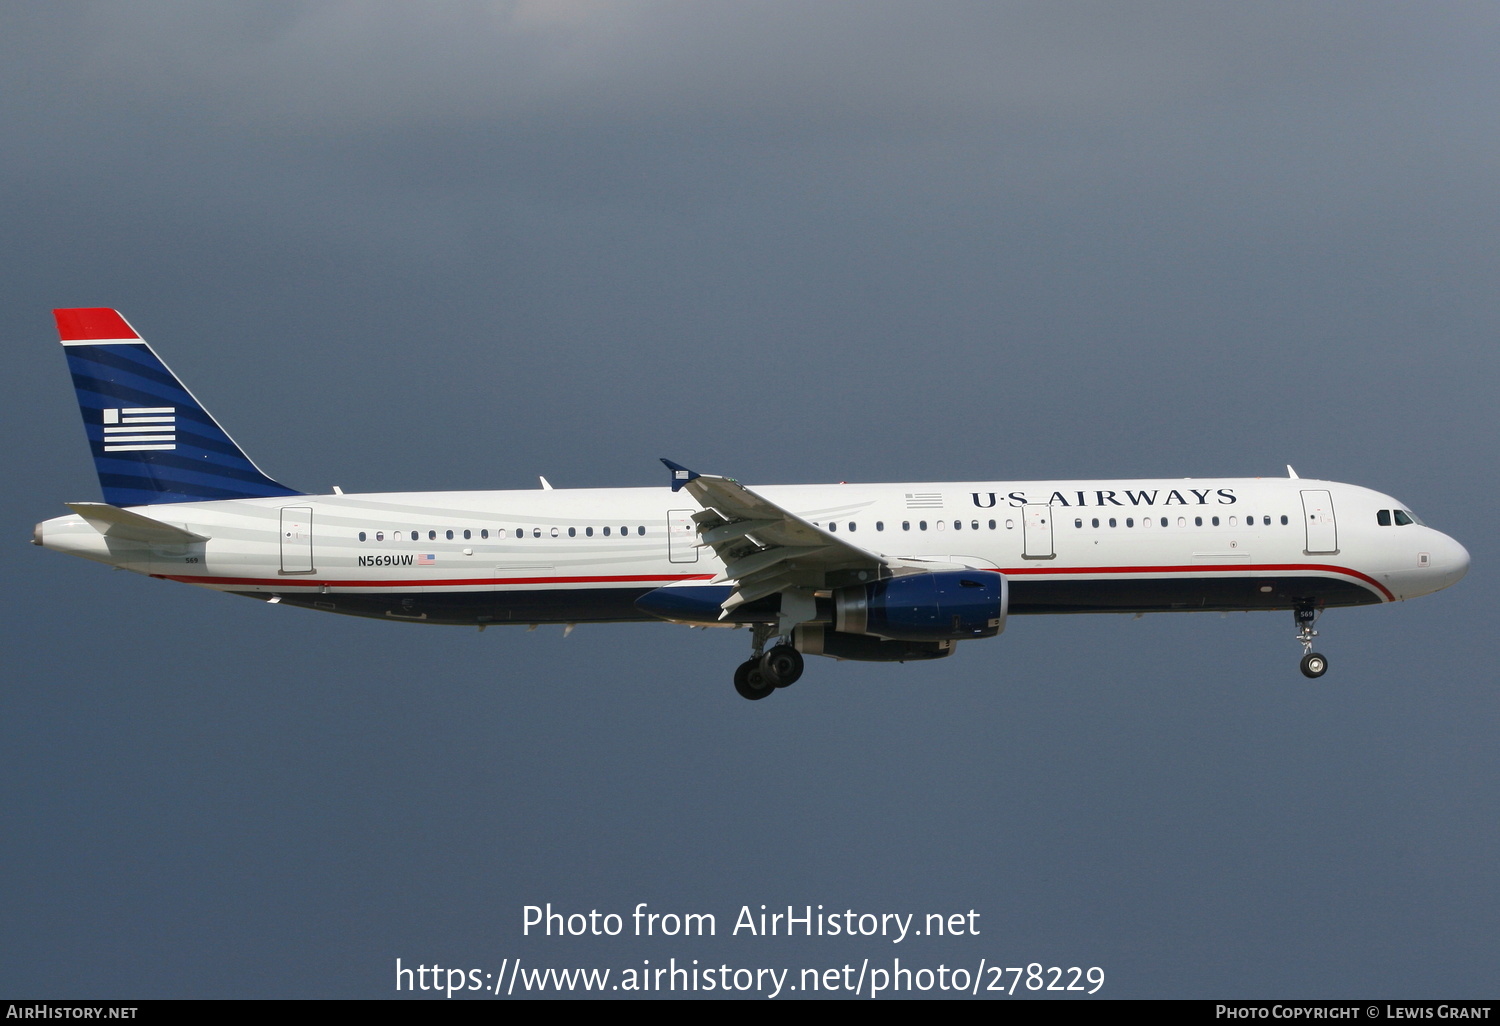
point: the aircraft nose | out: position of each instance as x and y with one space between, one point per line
1450 560
1455 562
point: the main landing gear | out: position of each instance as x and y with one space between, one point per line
1314 664
764 671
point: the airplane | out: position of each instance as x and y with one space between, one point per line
875 572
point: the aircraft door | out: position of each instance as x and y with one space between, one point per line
1322 530
296 540
682 536
1036 531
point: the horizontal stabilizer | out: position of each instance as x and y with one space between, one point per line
114 522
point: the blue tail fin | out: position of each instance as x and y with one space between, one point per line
152 441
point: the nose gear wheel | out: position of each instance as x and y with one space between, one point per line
1314 664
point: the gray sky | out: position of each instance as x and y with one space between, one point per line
399 246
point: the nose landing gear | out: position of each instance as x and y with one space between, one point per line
764 672
1314 664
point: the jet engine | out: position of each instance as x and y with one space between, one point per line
944 605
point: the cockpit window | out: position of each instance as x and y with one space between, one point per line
1383 518
1403 518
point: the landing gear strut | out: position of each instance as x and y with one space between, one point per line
1314 664
764 671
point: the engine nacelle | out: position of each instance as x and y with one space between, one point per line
943 605
817 639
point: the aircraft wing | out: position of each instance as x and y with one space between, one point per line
767 549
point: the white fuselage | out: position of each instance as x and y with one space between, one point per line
570 555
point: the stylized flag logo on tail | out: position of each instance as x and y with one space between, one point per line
139 428
153 442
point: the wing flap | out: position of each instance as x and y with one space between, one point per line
766 549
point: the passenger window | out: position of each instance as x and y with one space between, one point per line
1010 525
450 535
483 533
1130 521
536 532
1096 521
1197 521
974 526
1164 521
361 536
380 536
992 525
1181 522
1234 522
1283 520
906 525
641 530
500 533
606 532
1112 522
851 525
1216 521
572 532
467 535
941 525
1078 522
554 532
880 525
832 526
588 532
432 536
921 525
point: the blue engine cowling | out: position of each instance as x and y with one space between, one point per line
944 605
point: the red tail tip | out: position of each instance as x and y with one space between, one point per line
91 322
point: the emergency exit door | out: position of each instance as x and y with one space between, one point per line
1036 531
682 536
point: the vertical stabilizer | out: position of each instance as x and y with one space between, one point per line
152 441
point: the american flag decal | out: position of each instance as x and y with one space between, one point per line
427 559
139 428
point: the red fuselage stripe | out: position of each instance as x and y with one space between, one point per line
1035 571
1023 571
417 582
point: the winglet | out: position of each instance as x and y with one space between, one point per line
1290 472
680 475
